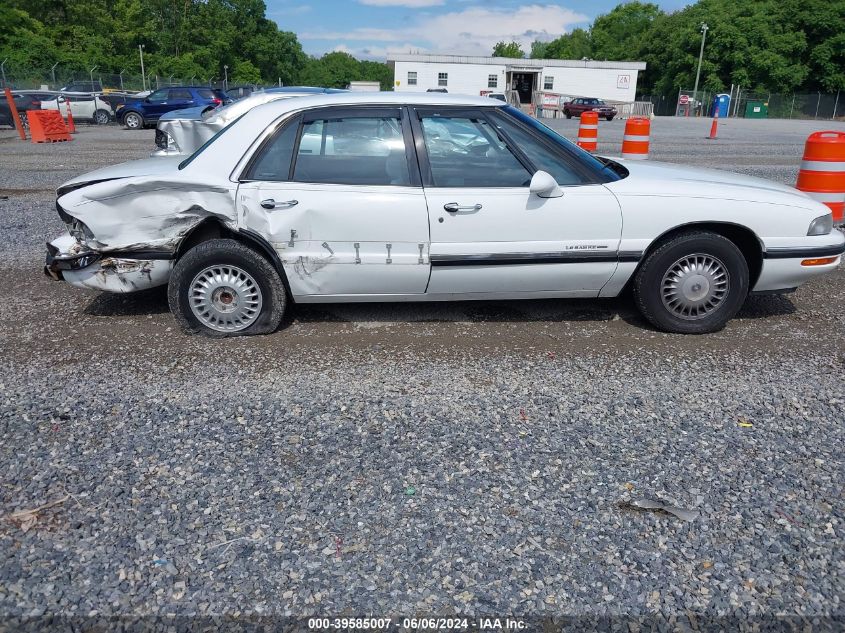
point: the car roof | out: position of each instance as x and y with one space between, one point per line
302 89
378 98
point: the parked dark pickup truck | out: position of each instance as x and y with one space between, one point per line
586 104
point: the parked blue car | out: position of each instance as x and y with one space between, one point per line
140 113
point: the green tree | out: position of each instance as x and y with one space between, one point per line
377 71
618 34
509 49
539 50
574 45
245 72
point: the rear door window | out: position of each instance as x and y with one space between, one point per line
180 94
359 149
274 160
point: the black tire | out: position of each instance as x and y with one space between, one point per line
224 252
609 118
101 117
568 114
648 281
133 121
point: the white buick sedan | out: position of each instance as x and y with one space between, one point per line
398 197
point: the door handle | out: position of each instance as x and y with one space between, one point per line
269 203
454 207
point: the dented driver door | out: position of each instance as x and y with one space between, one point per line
334 193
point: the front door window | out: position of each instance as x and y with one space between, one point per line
466 151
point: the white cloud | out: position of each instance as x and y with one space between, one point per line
472 31
414 4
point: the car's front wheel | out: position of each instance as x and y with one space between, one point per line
693 283
568 114
609 118
101 117
224 288
133 121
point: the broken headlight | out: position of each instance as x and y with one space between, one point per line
166 142
79 231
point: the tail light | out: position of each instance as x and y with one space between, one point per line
217 101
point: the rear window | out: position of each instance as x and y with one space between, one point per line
221 95
206 93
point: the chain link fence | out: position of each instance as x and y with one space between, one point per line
58 77
741 103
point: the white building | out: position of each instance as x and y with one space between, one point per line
614 81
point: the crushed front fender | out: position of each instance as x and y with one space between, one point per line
70 261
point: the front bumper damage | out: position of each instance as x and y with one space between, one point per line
70 261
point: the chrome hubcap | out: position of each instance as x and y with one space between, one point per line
695 286
225 298
132 121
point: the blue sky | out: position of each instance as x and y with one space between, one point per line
372 28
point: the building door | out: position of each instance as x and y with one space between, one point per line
523 83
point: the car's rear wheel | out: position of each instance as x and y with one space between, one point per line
224 288
693 283
133 121
609 118
568 114
101 117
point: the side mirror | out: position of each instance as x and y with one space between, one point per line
544 186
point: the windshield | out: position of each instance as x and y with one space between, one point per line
585 157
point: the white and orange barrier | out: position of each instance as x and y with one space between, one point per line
822 173
635 140
588 132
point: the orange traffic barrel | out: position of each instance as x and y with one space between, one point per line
588 133
635 141
822 173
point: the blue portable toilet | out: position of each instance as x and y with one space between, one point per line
722 103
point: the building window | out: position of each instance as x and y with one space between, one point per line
548 83
412 78
492 81
442 79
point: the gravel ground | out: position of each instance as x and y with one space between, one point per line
473 458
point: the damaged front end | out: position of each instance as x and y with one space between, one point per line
125 224
69 260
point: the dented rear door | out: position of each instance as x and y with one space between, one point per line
334 193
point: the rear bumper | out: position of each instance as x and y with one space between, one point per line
67 260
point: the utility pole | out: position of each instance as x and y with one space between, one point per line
3 71
53 72
141 48
704 28
122 70
225 77
92 77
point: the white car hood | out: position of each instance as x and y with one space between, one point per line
143 167
656 178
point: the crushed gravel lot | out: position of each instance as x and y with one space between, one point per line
472 458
